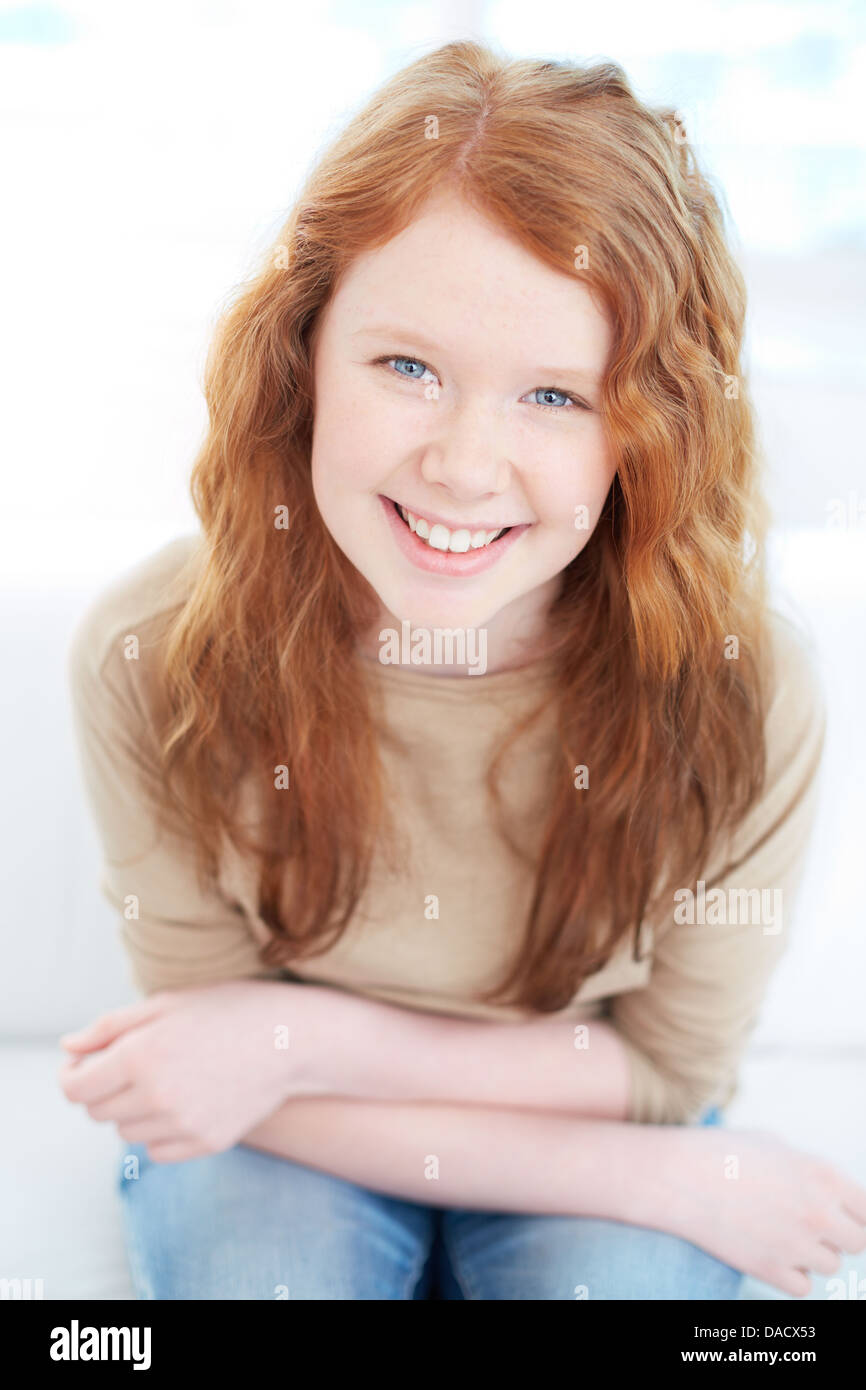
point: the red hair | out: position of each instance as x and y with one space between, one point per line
259 667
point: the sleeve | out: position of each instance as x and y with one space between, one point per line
175 935
686 1031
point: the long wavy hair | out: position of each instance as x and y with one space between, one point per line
259 663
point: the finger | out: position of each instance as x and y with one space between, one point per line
174 1151
824 1259
78 1049
847 1234
797 1283
108 1026
124 1104
151 1129
854 1200
125 1107
89 1079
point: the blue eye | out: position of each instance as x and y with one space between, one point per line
412 362
566 397
551 391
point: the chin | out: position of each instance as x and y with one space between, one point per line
434 619
429 614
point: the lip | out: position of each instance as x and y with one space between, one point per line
447 562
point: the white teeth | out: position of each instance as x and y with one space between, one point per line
438 537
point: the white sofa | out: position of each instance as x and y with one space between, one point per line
62 964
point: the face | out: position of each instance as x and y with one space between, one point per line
460 377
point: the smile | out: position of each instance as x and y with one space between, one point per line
439 537
461 552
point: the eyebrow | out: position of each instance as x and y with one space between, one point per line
385 330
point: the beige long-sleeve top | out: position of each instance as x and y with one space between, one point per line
684 1011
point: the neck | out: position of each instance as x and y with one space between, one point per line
513 638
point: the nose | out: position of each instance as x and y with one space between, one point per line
466 456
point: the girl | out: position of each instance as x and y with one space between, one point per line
453 784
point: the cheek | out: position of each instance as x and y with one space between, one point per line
331 422
573 486
360 434
342 446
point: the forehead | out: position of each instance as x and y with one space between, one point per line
461 280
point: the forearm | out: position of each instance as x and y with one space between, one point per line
365 1049
483 1158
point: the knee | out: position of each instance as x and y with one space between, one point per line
629 1262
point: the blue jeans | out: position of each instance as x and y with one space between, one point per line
243 1224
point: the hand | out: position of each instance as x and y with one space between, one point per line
775 1213
187 1072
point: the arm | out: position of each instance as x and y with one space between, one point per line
482 1159
686 1032
369 1050
788 1213
175 933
